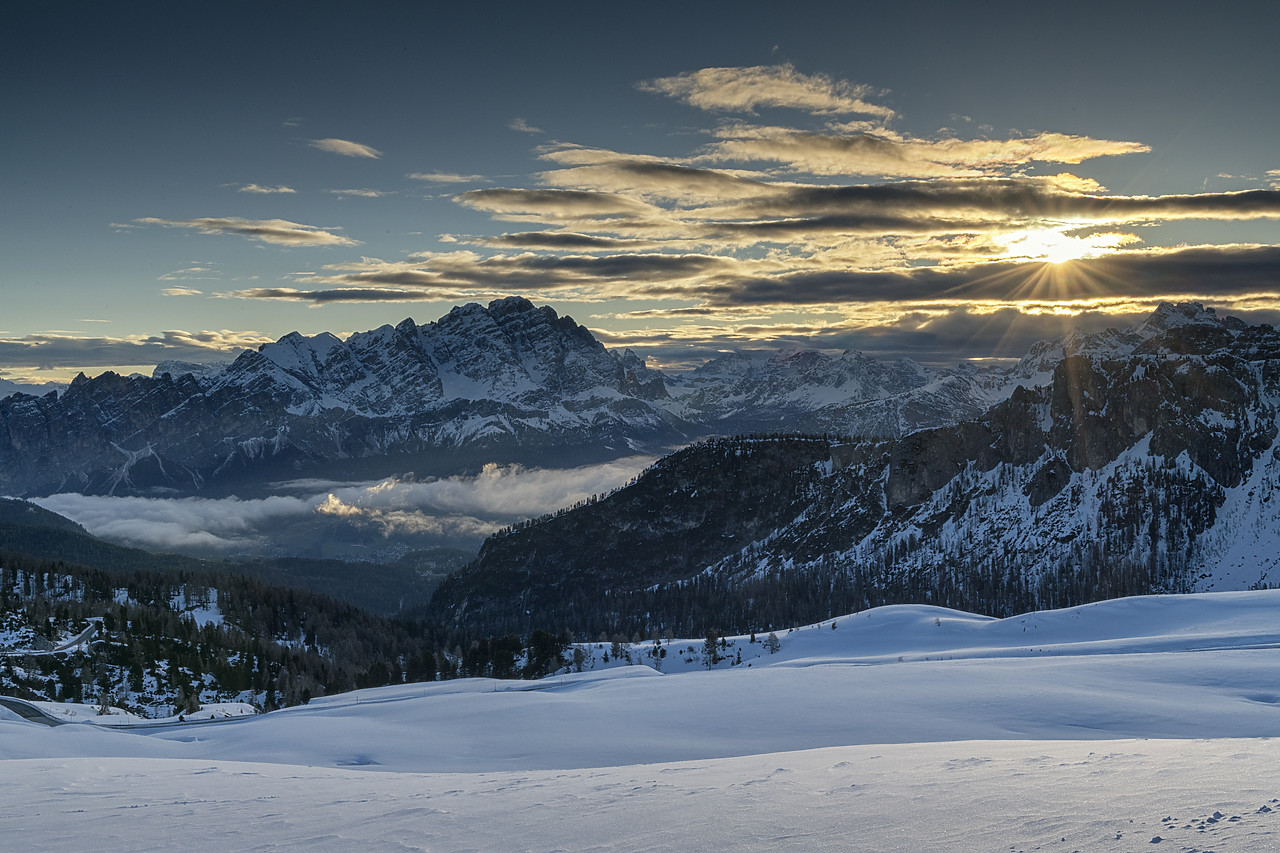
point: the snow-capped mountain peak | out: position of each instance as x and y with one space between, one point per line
507 375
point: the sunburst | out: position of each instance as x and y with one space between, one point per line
1054 246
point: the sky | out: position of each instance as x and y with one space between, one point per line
932 180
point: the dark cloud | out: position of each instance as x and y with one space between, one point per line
990 201
461 273
756 211
50 351
962 333
1197 272
818 227
280 232
320 297
720 283
561 240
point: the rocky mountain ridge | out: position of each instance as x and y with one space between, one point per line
508 382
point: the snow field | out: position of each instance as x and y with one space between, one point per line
901 729
964 796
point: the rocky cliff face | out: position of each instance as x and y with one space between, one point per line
1147 461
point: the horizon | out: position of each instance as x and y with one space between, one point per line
669 365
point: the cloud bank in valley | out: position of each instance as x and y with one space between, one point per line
463 508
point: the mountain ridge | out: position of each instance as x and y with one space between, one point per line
508 382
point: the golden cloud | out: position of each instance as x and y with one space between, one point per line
346 148
743 90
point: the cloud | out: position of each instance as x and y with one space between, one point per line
177 524
837 213
261 190
392 522
180 291
743 90
51 350
720 283
346 148
1186 273
193 272
523 126
562 241
279 232
527 271
362 193
497 496
1003 201
461 507
322 297
558 205
880 152
447 178
649 178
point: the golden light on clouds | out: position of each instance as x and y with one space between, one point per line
829 221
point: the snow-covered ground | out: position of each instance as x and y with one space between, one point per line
1107 727
120 718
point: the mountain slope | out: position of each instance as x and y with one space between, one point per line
383 589
1107 481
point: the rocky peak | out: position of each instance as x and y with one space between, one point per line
1172 328
200 370
1175 315
517 305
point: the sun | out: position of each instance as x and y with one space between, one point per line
1052 246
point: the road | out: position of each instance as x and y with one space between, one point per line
85 636
30 712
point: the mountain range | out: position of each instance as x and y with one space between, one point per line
508 382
